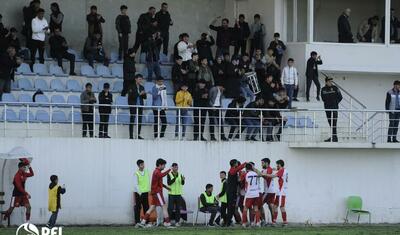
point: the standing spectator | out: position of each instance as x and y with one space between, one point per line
29 14
394 25
331 97
392 105
176 52
1 23
129 68
222 198
209 204
123 26
159 93
257 34
39 29
185 49
279 48
94 51
224 36
54 205
178 74
245 67
183 100
136 97
144 28
368 30
13 40
164 21
175 181
3 39
193 71
56 17
204 47
232 78
151 46
106 98
267 88
200 99
94 21
59 51
290 80
273 67
205 73
215 102
8 63
242 35
259 64
312 73
252 119
141 189
344 28
87 99
232 117
218 70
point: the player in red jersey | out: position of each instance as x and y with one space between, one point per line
20 197
269 187
157 193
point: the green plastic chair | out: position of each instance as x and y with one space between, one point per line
354 205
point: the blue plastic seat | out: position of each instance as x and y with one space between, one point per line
111 120
58 99
8 98
25 84
118 86
117 71
226 102
121 101
114 57
87 70
57 71
77 117
103 71
57 85
73 85
73 100
78 57
23 116
170 87
25 98
41 69
123 118
166 71
291 121
170 100
9 115
25 69
148 86
42 116
41 84
42 99
14 85
58 116
149 100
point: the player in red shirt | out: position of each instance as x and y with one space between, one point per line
269 189
19 195
157 193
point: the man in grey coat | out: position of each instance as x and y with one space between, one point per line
87 98
215 102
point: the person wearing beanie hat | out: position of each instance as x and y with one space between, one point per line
105 98
183 100
392 105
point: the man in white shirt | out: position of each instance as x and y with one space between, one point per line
39 29
185 48
290 80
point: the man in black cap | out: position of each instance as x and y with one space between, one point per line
392 104
331 97
136 96
106 98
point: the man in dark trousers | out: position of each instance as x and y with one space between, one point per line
59 50
8 63
87 99
94 21
29 13
279 48
394 25
204 47
123 26
243 33
232 188
200 99
129 69
136 96
224 36
142 189
344 28
105 97
331 97
144 28
392 105
215 96
164 21
152 46
175 181
312 73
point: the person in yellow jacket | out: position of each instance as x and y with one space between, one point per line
55 191
175 181
209 204
183 99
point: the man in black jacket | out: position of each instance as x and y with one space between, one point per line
129 69
94 50
94 21
136 96
242 34
106 98
312 73
151 46
331 97
164 21
392 105
394 25
252 119
178 74
224 36
123 26
8 63
59 50
200 99
344 28
232 116
144 28
204 47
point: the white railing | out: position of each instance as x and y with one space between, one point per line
299 125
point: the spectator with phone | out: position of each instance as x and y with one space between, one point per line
40 28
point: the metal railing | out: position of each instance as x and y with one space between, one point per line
193 123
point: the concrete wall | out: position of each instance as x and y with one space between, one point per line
326 13
192 17
98 176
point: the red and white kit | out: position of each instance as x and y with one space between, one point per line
282 175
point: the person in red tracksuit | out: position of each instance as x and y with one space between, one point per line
19 195
157 193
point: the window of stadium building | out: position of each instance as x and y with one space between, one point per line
296 20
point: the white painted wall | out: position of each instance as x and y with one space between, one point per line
98 175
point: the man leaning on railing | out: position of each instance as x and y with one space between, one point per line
393 104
